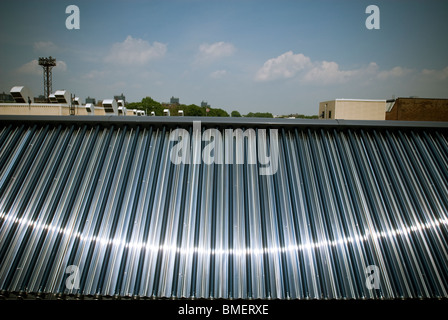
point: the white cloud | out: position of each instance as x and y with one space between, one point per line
436 74
326 72
290 65
33 67
218 74
61 65
212 52
135 52
394 72
286 65
45 47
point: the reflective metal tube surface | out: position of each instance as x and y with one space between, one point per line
348 213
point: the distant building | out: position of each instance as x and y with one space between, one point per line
353 109
120 97
174 100
204 104
91 100
40 99
417 109
173 105
6 97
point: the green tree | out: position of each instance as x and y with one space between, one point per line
147 104
259 115
235 114
194 111
217 113
302 116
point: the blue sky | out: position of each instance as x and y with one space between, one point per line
248 55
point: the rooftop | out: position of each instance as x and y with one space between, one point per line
102 194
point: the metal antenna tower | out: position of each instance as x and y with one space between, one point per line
47 64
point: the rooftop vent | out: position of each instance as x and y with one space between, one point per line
52 98
21 94
90 108
110 106
121 110
63 96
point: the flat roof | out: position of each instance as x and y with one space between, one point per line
174 121
33 104
367 100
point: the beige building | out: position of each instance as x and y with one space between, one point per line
59 105
353 109
47 109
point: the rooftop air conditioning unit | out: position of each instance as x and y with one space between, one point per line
120 103
21 94
76 101
110 106
153 114
90 108
63 96
166 112
52 98
181 113
122 111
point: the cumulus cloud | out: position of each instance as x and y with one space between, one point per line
328 72
61 65
284 66
135 52
218 74
45 47
291 65
436 74
394 72
215 51
33 67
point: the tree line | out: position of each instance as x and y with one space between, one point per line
148 105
